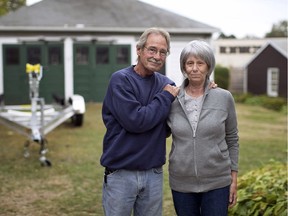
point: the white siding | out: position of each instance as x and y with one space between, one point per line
68 68
173 62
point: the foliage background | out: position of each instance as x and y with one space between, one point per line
10 5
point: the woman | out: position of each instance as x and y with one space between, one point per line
203 161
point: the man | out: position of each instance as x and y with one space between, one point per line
135 109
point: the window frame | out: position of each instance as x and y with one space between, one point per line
273 81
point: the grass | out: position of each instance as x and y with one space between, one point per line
72 186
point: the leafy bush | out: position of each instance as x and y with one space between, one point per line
272 103
255 100
262 192
222 76
241 98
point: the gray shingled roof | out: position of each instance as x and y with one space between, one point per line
99 14
280 44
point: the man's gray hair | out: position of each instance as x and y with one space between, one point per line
143 38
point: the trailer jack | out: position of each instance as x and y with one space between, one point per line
38 119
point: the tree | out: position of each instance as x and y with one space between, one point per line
223 36
10 5
278 30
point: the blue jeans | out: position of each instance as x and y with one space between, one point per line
211 203
139 192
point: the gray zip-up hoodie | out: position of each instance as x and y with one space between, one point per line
203 161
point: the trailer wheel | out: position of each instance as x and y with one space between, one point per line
46 163
78 119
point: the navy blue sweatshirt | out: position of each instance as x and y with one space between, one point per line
134 112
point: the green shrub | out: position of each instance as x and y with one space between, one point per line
262 192
241 98
222 76
272 103
255 100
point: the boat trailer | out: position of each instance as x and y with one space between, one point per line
38 119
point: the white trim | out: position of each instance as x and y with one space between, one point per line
272 81
245 81
111 30
1 70
68 68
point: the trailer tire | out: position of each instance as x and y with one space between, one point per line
77 120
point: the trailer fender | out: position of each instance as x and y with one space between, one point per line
78 104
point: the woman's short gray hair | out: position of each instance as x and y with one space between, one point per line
143 38
199 49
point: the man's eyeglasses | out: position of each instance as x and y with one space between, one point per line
154 51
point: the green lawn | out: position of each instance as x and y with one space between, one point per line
72 186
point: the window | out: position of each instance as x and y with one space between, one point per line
122 55
272 82
33 55
82 55
233 49
102 55
12 56
54 56
222 49
244 49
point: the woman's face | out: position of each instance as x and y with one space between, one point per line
196 70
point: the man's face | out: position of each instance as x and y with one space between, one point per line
152 57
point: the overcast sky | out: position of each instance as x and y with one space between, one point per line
237 17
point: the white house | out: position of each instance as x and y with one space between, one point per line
81 43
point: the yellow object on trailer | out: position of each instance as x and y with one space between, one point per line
38 119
